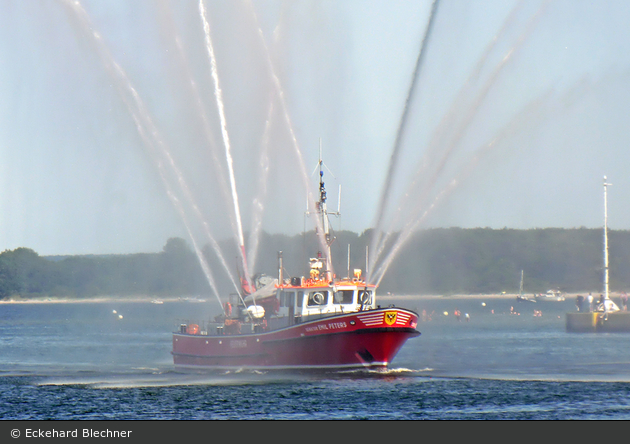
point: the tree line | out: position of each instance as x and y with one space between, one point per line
173 271
435 261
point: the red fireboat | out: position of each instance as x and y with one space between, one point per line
313 322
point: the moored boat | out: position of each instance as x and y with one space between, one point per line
551 295
521 297
316 321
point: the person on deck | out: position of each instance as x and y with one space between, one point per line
579 300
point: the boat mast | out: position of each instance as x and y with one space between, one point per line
323 212
605 239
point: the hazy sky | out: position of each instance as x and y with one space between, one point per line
111 134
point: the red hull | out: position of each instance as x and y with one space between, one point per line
363 339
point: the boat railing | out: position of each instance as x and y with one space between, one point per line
233 326
226 326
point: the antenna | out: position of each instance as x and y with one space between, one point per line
339 201
320 150
321 163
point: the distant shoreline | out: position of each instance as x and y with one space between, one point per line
567 296
197 299
58 300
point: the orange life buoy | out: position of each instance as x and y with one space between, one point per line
228 309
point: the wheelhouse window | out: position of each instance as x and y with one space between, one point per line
343 297
317 298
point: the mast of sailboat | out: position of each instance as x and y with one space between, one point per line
520 290
605 239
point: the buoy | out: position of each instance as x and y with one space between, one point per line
114 311
119 316
446 313
483 304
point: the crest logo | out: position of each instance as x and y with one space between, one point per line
390 317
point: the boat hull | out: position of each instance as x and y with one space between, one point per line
363 339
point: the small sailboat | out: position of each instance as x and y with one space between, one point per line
521 297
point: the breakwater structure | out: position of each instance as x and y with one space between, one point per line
606 315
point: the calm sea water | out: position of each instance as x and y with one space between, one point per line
83 361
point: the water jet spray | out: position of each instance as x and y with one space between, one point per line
403 122
247 286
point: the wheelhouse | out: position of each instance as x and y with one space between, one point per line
301 303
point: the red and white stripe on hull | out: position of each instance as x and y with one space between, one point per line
362 339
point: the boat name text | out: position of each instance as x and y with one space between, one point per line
329 326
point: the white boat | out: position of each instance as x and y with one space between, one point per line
551 295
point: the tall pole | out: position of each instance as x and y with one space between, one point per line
605 239
348 261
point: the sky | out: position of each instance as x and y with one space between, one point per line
123 124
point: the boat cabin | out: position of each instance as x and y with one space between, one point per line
300 299
311 302
292 304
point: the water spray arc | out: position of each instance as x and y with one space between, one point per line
416 203
447 122
533 112
147 130
419 195
226 140
298 152
221 181
258 205
399 134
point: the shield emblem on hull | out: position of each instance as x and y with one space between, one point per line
390 317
